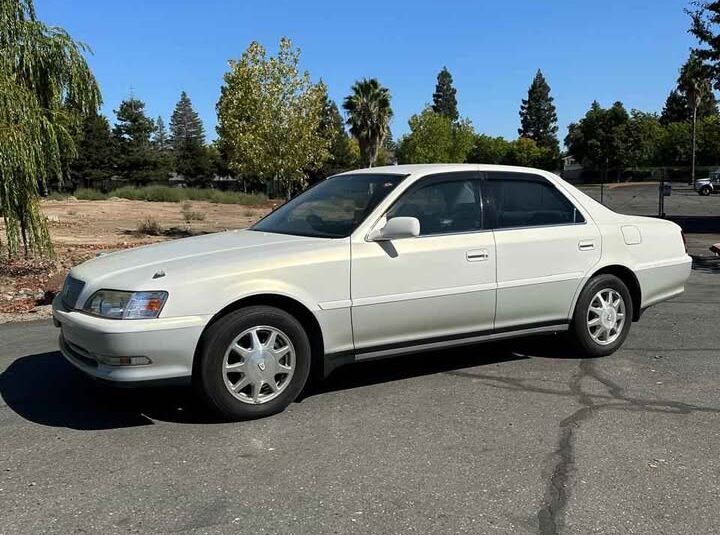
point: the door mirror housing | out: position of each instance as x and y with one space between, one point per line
396 228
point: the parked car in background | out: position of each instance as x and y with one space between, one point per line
711 184
368 264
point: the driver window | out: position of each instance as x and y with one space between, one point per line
442 207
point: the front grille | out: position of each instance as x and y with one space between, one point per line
71 291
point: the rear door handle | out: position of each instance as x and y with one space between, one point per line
477 255
586 245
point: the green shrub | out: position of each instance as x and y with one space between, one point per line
88 194
168 194
165 194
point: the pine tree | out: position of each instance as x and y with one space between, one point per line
705 26
538 118
95 153
161 146
160 137
444 100
137 161
187 139
678 110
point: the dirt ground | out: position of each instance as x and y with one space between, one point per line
82 229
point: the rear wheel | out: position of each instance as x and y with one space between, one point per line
603 315
254 362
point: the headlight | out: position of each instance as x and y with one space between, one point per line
126 305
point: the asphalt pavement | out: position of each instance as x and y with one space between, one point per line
519 437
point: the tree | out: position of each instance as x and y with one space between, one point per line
187 139
694 83
137 161
525 152
538 118
269 116
675 145
369 114
642 135
43 75
161 146
435 138
444 100
160 137
387 154
95 153
705 26
677 109
598 139
489 150
332 128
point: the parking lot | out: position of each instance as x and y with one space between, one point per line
698 216
519 437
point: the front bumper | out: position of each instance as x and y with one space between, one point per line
169 344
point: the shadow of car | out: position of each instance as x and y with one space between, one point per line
45 389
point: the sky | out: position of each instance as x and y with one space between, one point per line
628 50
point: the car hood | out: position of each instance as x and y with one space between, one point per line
702 181
141 267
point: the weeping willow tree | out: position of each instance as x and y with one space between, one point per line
45 85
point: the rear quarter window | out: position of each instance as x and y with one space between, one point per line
515 200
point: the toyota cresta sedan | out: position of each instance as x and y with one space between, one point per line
368 264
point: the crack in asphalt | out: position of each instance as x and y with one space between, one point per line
561 469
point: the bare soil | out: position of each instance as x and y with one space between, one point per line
82 229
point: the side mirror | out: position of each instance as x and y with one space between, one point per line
396 228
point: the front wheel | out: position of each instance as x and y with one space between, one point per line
603 315
705 191
254 363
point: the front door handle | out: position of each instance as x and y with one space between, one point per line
477 255
586 245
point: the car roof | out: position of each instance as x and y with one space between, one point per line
428 168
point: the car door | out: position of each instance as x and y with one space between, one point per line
437 286
544 245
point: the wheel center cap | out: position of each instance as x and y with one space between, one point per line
261 365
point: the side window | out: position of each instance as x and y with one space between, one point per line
442 207
526 200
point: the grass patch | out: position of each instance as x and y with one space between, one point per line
149 227
167 194
189 214
88 194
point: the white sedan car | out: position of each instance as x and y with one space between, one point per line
368 264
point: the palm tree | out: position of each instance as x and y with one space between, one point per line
369 113
46 87
694 82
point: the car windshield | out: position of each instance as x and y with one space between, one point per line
331 209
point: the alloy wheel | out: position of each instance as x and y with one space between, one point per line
258 365
606 316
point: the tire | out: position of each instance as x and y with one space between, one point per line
705 191
252 362
589 338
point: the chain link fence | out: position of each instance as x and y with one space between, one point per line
698 215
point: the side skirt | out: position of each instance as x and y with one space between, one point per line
335 360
